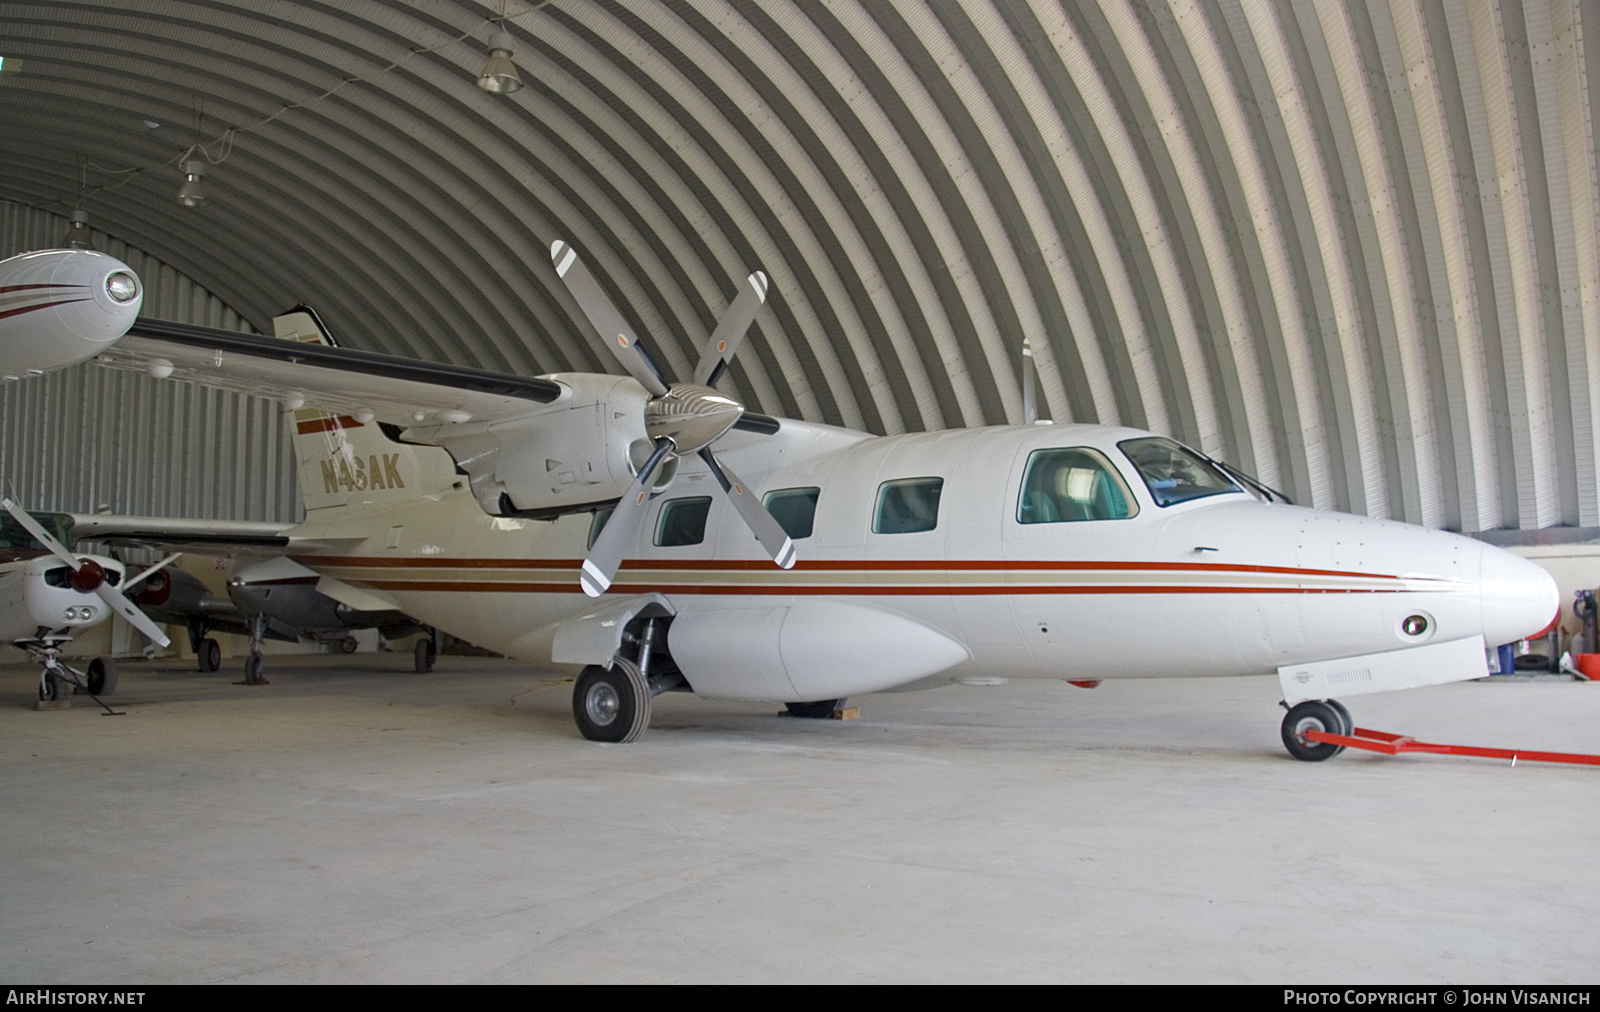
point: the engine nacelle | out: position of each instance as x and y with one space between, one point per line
59 307
583 448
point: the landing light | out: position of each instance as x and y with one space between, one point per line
122 286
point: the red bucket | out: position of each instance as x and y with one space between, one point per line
1589 664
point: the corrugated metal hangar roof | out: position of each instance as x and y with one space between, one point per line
1353 247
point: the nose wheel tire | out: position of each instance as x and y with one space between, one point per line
53 688
1349 722
255 670
611 706
1325 715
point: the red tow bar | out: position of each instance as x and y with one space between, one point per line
1394 744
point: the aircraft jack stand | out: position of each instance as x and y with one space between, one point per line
1395 744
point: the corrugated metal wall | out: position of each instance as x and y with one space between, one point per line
87 439
1352 246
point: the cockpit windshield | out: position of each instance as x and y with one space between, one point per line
1173 472
17 544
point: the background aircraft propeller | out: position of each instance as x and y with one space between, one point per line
679 418
88 575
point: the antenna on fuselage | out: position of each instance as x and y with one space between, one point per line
1030 400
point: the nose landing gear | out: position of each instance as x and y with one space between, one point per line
1327 715
58 679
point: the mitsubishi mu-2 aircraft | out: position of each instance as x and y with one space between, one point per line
651 536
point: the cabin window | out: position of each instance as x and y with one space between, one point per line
1066 485
683 522
795 509
1173 472
598 524
907 506
17 544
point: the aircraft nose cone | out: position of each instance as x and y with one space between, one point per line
1519 597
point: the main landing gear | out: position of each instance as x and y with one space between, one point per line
612 704
822 709
426 652
208 655
1327 715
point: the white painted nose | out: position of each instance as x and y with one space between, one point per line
1519 597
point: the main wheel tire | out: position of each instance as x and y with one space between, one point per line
612 705
423 656
102 680
819 710
209 656
255 669
348 645
1314 715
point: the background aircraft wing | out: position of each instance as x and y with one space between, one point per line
346 381
249 538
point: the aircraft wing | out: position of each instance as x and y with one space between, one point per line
339 380
201 537
531 445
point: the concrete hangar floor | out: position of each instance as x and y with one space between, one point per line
356 822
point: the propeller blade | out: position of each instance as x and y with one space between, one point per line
725 340
40 535
130 612
767 530
153 570
605 556
597 306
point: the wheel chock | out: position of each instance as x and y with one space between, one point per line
1396 744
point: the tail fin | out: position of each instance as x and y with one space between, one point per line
345 461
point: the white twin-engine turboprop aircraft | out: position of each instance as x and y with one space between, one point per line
583 521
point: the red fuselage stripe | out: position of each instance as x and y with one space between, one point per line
828 566
769 590
42 305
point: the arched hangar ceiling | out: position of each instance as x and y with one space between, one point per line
1352 246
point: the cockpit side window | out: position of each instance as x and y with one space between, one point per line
16 544
1064 485
1173 472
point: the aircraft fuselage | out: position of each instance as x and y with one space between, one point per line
996 579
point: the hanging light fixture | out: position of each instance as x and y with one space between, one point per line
193 192
499 75
77 235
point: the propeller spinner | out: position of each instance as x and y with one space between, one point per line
679 418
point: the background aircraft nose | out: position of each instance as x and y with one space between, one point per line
1519 597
